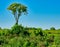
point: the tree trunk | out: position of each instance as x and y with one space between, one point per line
16 22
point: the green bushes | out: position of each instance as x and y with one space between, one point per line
26 33
0 28
52 28
19 36
16 29
4 32
39 31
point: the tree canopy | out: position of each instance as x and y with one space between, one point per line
17 9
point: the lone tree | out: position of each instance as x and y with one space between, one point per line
17 9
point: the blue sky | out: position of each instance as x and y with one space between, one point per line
41 13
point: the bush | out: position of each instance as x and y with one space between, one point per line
16 29
26 33
52 28
0 28
6 32
39 32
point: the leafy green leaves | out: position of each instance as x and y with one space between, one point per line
17 10
19 36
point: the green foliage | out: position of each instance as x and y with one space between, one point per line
16 29
4 32
17 9
52 28
0 28
19 36
39 32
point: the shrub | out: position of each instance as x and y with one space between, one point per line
0 28
52 28
16 29
26 33
6 32
50 39
39 32
1 41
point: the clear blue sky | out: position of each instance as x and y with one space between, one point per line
41 13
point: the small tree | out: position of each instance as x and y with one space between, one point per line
17 9
0 28
52 28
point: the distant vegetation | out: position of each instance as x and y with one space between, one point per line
20 36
